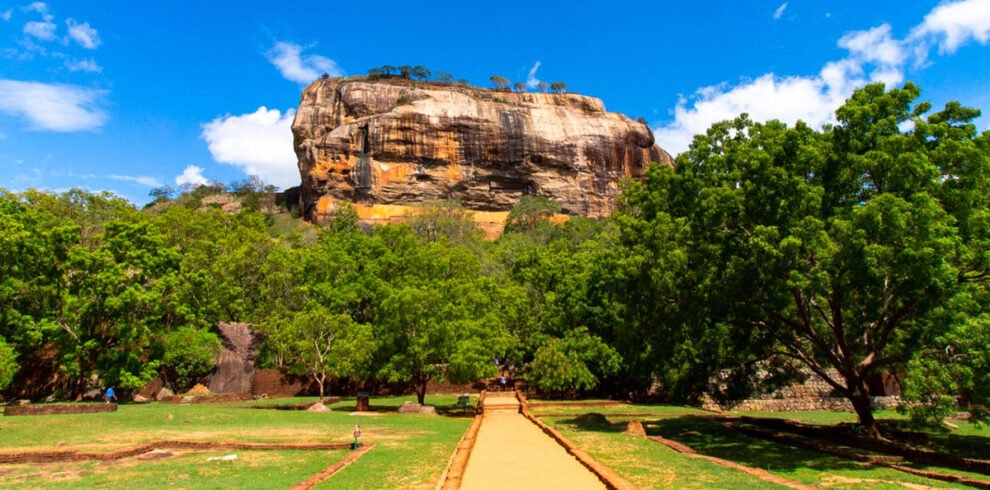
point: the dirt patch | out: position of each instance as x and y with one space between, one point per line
60 409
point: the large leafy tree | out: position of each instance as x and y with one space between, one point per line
838 249
324 345
441 318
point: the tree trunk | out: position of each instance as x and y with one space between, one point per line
859 395
421 390
319 381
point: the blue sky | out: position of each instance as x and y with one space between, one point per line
125 96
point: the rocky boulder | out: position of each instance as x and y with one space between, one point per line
235 364
413 407
388 144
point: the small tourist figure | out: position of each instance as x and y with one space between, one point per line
110 394
357 434
501 381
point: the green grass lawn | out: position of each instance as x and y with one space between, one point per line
648 464
411 450
661 410
710 437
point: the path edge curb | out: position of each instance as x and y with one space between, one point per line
453 474
606 475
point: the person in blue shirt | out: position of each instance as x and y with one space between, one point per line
110 394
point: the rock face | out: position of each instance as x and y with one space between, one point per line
235 364
388 144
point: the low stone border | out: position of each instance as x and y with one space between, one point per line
453 475
758 473
60 409
885 461
218 398
70 456
629 415
610 478
334 468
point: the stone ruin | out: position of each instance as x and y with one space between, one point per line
812 394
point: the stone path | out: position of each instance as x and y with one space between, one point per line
511 452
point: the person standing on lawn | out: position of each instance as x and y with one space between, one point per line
110 394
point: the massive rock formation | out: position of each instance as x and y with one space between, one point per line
388 144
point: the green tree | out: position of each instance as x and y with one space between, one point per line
325 345
441 319
421 73
519 86
500 82
405 71
443 77
531 212
8 363
446 220
562 365
837 249
387 70
558 87
189 354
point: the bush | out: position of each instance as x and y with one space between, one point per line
190 353
8 364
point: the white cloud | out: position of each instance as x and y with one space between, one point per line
531 80
139 179
53 107
38 7
191 176
89 65
83 34
814 98
41 30
287 57
6 14
874 45
780 11
953 24
260 143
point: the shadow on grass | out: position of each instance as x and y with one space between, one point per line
946 441
709 437
594 422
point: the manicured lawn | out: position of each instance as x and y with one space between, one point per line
620 408
411 450
710 437
252 469
648 464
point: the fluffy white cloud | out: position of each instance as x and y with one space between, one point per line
53 107
83 34
89 65
287 57
777 14
44 30
789 99
260 143
6 14
531 80
39 7
814 98
954 24
138 179
191 176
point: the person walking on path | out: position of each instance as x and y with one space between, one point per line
110 394
357 434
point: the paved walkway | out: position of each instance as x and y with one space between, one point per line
511 452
